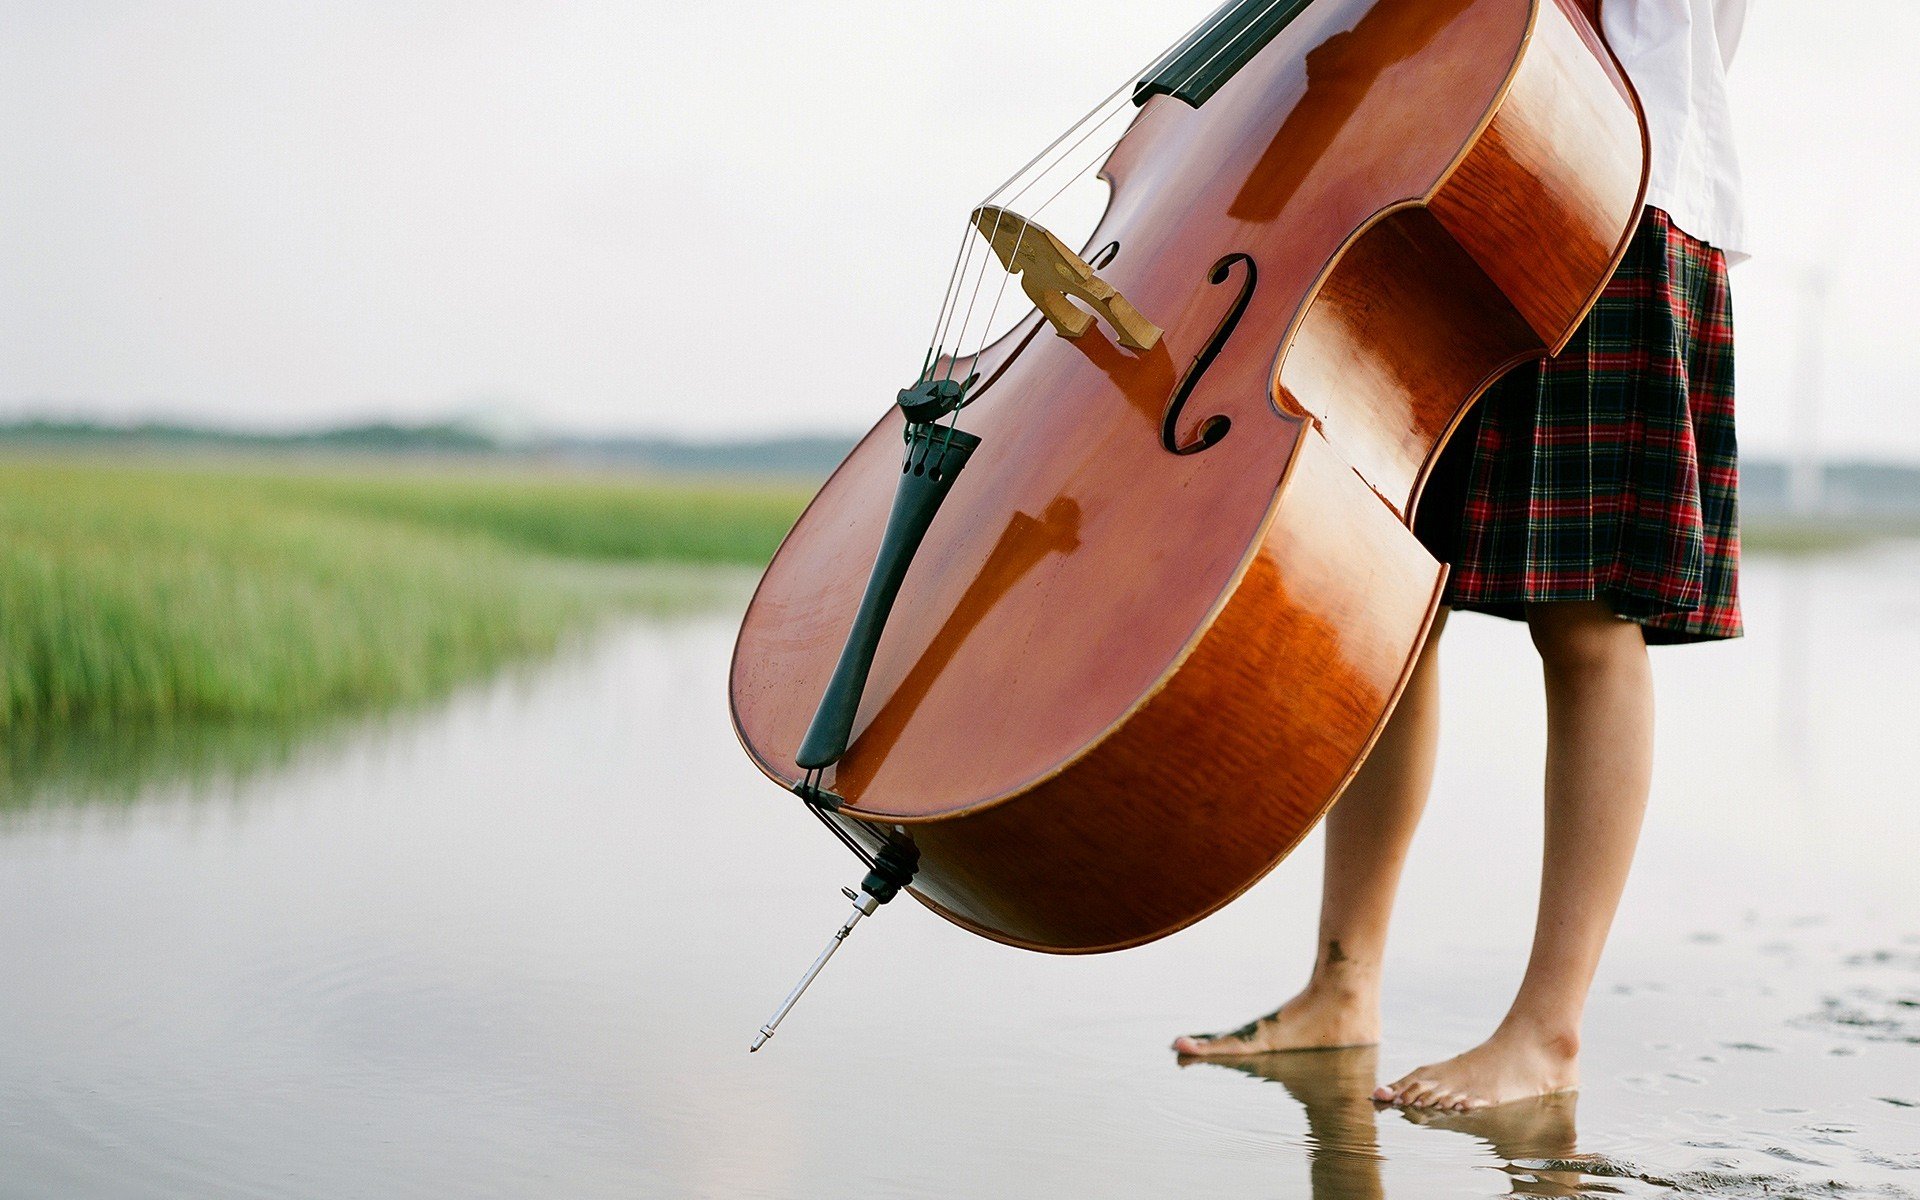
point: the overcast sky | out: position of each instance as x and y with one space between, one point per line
717 217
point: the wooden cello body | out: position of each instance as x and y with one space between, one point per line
1162 617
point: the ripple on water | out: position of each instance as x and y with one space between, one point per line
1349 1142
1719 1184
1883 1007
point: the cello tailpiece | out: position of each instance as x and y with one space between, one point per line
935 454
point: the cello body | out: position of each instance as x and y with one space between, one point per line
1159 622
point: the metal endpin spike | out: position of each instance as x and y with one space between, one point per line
864 903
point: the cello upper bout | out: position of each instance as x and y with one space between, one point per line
1546 199
1427 305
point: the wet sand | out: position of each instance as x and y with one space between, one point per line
517 945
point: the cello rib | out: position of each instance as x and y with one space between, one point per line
1407 284
1429 304
1559 165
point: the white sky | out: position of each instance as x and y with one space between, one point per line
711 218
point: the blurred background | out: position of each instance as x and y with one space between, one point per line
599 219
397 401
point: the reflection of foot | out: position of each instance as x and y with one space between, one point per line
1536 1139
1343 1143
1541 1128
1329 1084
1316 1019
1506 1067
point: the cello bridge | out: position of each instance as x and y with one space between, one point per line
1050 272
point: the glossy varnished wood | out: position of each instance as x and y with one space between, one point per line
1202 794
1121 683
1537 200
1403 283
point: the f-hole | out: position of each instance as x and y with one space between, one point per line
1104 255
1215 427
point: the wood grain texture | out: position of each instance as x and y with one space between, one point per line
1120 683
1203 789
1403 283
1551 245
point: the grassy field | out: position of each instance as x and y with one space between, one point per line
600 518
138 590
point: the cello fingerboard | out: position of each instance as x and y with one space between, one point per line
1197 67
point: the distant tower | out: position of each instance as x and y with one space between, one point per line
1806 473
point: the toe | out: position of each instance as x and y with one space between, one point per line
1209 1045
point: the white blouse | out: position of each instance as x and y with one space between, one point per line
1677 52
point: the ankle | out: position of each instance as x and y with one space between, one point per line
1347 983
1555 1037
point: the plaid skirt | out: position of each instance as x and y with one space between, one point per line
1608 472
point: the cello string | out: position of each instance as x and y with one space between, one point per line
1216 20
1099 157
1091 130
961 337
1004 203
1090 125
939 321
1000 293
1207 24
995 198
954 359
1027 222
959 283
1102 155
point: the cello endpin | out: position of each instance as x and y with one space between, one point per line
891 871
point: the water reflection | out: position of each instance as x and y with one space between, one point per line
118 765
1534 1140
1333 1086
510 945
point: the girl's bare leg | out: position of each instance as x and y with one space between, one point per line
1599 769
1368 833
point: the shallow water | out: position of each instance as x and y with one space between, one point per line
516 946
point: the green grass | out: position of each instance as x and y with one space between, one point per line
590 517
136 591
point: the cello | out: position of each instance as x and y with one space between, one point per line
1094 625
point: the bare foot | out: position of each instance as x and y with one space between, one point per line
1320 1018
1506 1067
